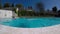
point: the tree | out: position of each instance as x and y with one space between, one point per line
18 5
54 9
15 10
12 5
6 5
29 7
0 6
22 12
58 14
40 6
59 11
30 11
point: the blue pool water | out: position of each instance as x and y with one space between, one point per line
30 22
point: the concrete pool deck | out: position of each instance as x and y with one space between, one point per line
44 30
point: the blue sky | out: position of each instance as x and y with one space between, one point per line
48 4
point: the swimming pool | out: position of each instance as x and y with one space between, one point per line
31 22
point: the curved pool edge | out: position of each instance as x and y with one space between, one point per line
29 28
45 30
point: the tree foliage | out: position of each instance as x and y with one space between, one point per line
6 5
0 6
19 5
54 9
12 5
40 6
